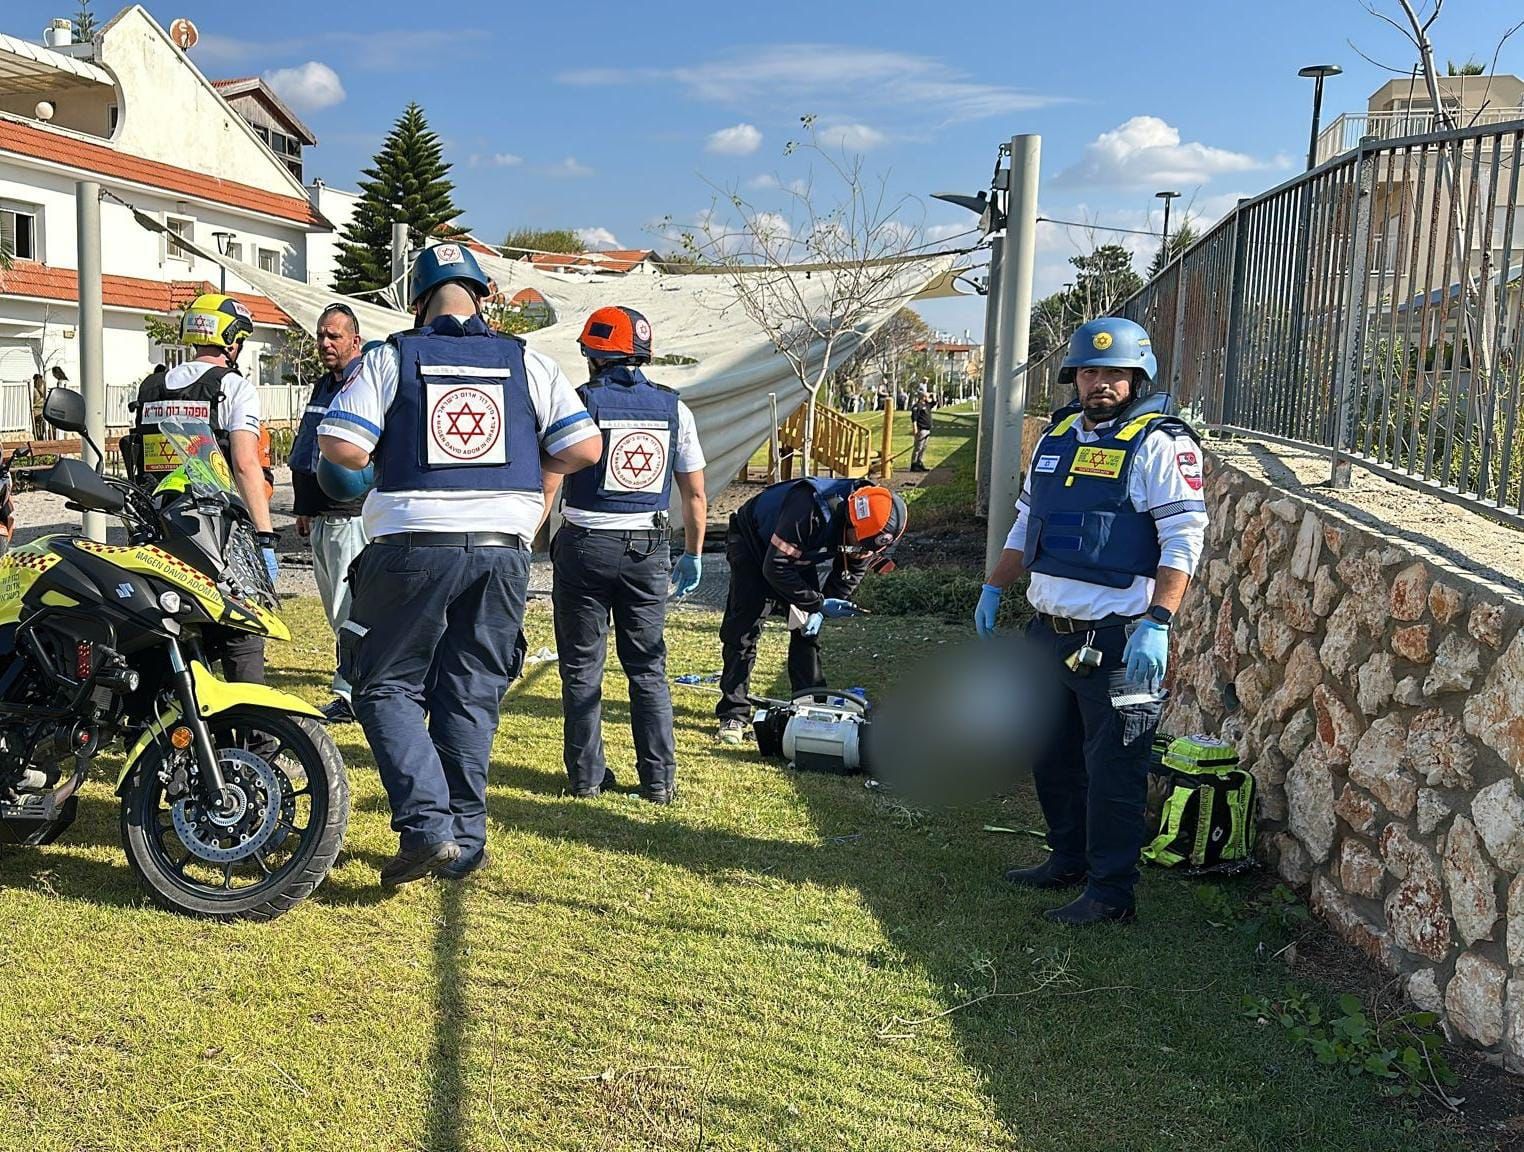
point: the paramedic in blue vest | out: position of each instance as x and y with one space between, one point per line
612 558
333 525
461 424
801 548
1109 528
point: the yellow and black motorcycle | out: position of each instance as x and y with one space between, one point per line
234 800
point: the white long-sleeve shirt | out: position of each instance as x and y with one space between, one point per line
1166 483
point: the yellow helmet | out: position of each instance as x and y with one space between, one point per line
215 319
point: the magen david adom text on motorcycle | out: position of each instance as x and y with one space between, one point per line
233 797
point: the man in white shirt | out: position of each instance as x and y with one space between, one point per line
462 425
1111 524
210 388
612 558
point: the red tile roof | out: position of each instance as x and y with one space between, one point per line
619 260
42 282
40 143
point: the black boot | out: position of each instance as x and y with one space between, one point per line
1083 911
1045 875
416 863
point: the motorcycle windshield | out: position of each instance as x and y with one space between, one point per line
203 469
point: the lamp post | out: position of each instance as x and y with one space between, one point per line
1168 198
224 242
1317 73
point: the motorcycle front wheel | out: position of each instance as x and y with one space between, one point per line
270 849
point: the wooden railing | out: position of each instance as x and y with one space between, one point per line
843 446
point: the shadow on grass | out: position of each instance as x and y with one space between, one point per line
445 1121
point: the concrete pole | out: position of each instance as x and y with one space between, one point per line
985 440
92 358
399 262
1015 329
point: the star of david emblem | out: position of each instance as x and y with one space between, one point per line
638 460
459 417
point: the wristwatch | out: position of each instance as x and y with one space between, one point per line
1160 615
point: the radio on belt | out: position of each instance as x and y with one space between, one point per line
817 731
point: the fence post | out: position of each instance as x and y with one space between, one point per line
1236 279
1352 363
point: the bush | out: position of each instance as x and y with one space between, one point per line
946 592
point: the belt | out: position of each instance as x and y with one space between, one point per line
620 533
452 540
1064 625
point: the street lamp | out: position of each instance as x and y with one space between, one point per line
1168 198
224 242
1317 73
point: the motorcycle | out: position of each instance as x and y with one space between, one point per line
233 797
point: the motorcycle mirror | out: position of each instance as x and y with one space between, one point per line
64 409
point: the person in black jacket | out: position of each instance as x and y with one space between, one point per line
801 547
334 526
920 421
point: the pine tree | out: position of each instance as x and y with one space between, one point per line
1176 243
84 22
406 184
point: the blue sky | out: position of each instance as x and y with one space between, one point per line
608 117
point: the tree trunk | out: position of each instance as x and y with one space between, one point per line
808 454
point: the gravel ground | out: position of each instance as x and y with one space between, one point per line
42 513
1466 539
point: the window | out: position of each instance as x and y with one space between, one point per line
235 249
178 226
19 230
269 261
113 118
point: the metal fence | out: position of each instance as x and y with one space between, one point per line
1372 308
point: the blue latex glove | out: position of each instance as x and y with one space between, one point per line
1147 653
686 576
812 624
836 609
984 614
271 566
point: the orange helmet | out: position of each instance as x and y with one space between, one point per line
878 520
616 333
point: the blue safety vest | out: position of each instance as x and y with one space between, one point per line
638 420
1081 523
304 449
830 498
462 419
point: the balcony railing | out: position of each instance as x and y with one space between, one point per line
1345 133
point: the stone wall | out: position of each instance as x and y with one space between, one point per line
1377 694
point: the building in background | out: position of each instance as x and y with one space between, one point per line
98 111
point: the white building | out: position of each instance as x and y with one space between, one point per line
129 109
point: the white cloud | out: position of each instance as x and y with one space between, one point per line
763 180
851 137
307 87
741 140
597 239
767 181
1146 152
799 75
936 233
495 160
571 168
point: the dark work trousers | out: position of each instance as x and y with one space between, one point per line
626 575
1092 779
432 633
242 653
748 604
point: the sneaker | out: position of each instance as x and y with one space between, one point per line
658 795
339 711
463 867
732 731
608 785
416 863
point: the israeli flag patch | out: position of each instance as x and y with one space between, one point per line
1046 464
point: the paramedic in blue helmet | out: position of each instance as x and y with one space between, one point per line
1109 528
612 559
799 548
462 424
333 525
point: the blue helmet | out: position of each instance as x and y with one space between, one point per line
340 483
1111 342
442 263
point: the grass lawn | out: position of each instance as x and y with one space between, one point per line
776 961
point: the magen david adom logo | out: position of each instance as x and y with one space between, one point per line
1101 341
